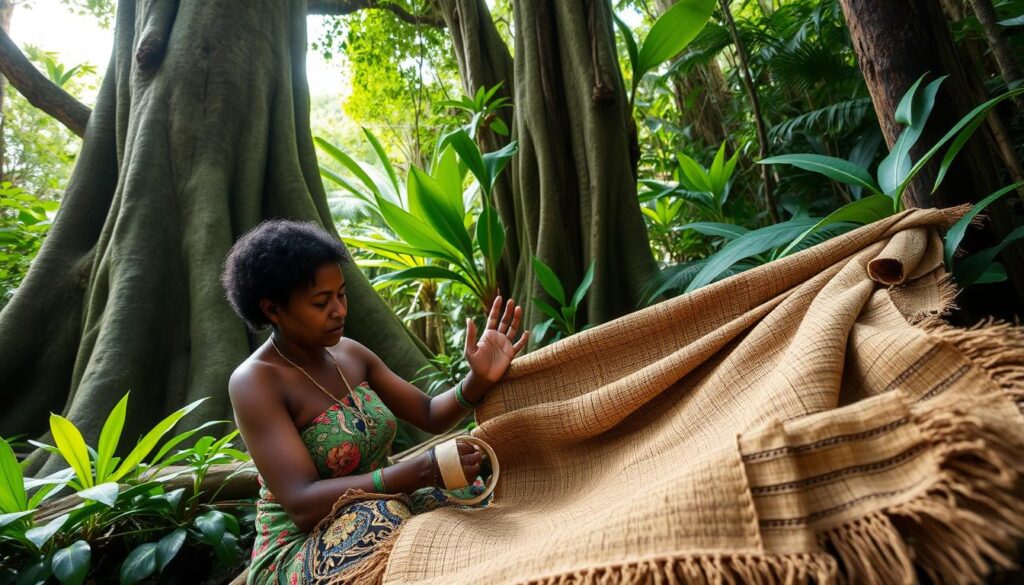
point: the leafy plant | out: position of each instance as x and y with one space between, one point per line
122 499
669 35
563 318
482 109
980 267
430 225
443 372
894 175
24 222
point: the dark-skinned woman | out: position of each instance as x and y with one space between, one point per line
317 412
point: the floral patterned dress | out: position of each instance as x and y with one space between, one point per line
340 442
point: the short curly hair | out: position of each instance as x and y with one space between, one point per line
273 259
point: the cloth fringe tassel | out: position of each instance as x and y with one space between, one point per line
995 347
967 523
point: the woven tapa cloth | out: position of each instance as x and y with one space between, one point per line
811 420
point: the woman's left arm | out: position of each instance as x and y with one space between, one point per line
488 357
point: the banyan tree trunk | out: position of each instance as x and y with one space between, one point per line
200 131
570 196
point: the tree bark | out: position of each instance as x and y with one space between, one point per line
570 196
575 195
6 9
896 42
1009 68
192 143
38 90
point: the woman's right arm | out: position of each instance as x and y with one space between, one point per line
284 462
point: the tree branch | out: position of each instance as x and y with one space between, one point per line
40 91
342 7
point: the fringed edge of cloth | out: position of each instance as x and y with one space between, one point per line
968 522
965 524
370 570
948 291
994 347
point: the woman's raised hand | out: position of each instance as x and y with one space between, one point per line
490 356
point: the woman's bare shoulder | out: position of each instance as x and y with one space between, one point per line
255 378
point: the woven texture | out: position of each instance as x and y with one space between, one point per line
811 420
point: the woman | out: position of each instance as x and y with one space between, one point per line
317 412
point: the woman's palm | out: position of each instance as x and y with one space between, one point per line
491 355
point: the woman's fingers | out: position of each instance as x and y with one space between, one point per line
470 337
517 317
522 341
508 316
492 316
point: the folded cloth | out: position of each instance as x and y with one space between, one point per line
811 420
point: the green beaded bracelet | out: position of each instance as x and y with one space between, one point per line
378 480
462 399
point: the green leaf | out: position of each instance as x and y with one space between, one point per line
965 126
71 564
834 168
423 273
954 149
996 272
541 330
72 448
627 39
349 163
211 526
150 439
728 231
348 187
105 493
382 156
40 534
547 309
747 245
1016 21
428 201
498 126
549 280
581 290
490 235
231 523
956 233
139 564
863 211
10 517
469 153
167 548
417 233
110 436
45 492
671 33
717 169
12 481
693 176
969 270
177 439
449 177
904 114
913 111
35 573
495 162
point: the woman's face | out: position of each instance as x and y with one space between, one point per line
315 314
